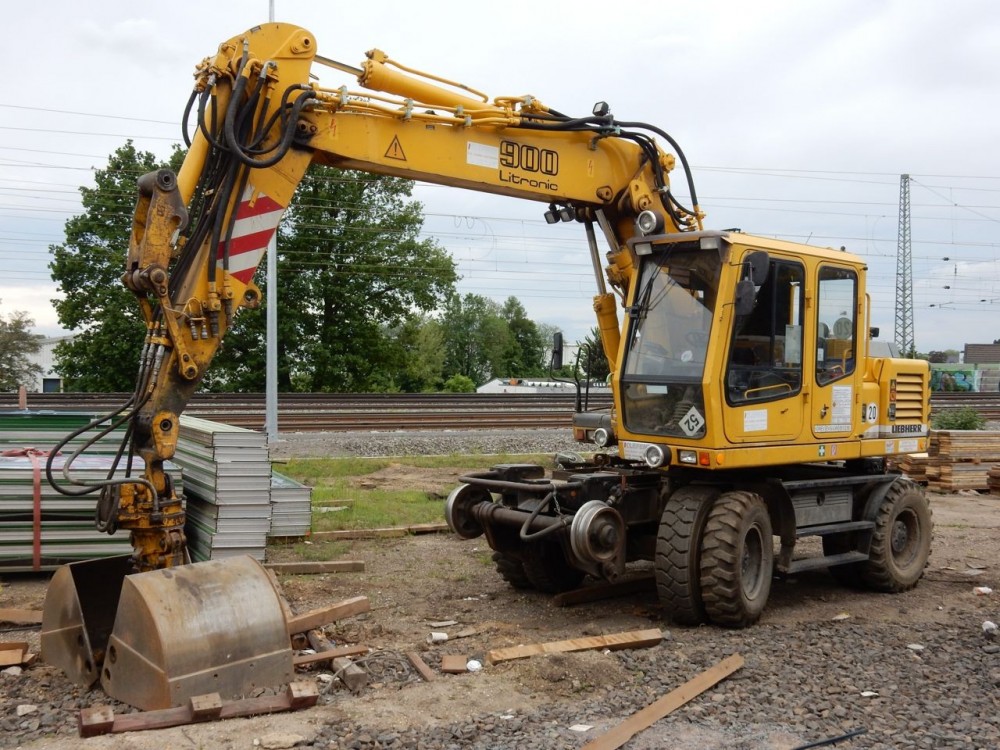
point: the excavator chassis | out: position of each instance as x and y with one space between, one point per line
158 638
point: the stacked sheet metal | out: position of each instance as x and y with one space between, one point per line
291 507
228 481
41 528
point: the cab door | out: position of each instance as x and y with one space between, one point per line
835 355
763 379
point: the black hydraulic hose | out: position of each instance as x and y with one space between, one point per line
287 135
186 115
677 150
76 433
524 534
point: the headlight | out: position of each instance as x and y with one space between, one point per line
602 437
687 457
655 456
648 222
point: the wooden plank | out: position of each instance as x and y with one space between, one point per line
613 641
324 616
601 591
323 536
420 665
454 664
656 710
353 676
428 528
101 720
319 566
21 616
12 653
328 655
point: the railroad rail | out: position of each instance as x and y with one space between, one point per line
314 412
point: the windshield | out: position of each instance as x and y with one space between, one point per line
672 315
671 319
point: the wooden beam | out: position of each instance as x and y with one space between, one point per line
600 591
319 566
454 664
323 536
353 676
317 618
656 710
21 616
420 665
12 653
613 641
328 655
428 528
101 719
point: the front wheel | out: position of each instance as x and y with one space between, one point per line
545 566
678 552
737 558
901 541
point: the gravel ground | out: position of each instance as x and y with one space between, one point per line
913 671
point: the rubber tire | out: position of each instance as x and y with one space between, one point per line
546 568
511 570
678 553
737 560
894 570
849 575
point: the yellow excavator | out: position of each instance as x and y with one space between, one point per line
749 402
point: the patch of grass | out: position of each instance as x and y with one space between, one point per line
320 551
332 482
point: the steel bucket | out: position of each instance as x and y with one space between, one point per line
211 627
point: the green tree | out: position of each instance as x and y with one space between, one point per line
421 341
351 269
592 359
524 353
17 343
104 354
478 337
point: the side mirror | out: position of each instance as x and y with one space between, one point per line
759 261
873 332
557 350
745 297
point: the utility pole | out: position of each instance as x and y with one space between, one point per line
271 353
904 274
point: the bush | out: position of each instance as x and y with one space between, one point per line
459 384
965 418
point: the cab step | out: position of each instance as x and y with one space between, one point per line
811 563
834 528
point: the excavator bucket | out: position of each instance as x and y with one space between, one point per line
79 613
211 627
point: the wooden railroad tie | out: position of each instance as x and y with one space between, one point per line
102 720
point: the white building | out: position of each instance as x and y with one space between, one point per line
49 382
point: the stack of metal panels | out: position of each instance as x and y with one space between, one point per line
291 507
227 474
58 528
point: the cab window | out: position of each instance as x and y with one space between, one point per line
765 357
836 323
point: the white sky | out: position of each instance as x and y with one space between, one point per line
797 117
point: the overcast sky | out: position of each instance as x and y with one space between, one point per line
797 117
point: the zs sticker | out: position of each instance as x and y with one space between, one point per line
871 412
692 423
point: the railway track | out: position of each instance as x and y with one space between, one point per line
313 412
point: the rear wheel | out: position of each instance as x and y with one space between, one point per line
511 570
678 552
546 568
901 541
737 557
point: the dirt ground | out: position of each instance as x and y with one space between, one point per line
415 581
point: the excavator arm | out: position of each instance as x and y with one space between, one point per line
260 119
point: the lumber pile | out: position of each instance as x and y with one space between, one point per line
234 501
913 465
40 528
961 459
993 480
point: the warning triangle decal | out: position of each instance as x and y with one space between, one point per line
395 151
